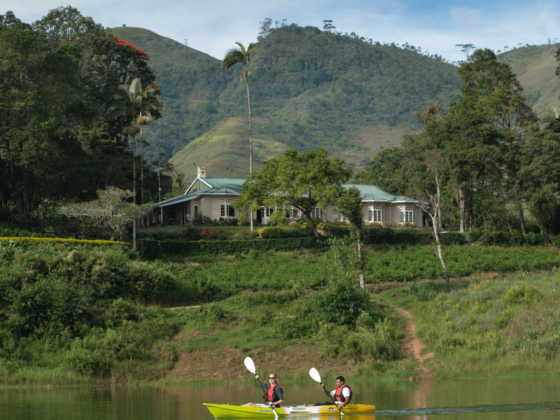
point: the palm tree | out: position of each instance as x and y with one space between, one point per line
136 102
242 55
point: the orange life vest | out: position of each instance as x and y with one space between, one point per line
272 397
338 395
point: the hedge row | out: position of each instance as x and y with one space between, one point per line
63 240
151 249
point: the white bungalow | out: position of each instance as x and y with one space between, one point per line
212 197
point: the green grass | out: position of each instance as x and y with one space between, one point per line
495 326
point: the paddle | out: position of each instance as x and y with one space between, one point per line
250 365
314 373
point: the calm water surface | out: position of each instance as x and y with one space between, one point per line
529 398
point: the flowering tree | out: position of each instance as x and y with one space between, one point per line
112 209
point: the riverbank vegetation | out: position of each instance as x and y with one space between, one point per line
77 313
488 325
74 313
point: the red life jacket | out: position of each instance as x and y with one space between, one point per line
272 397
338 395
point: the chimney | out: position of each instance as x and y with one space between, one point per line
201 172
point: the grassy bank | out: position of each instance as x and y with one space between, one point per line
81 314
94 313
492 326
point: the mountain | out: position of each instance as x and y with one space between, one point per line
190 81
308 89
535 66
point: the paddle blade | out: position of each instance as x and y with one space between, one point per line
250 365
315 375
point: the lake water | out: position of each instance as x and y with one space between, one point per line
492 399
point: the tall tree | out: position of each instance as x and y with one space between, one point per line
428 173
349 204
243 56
470 144
492 89
539 175
136 101
304 180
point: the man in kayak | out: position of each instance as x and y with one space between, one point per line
273 393
342 395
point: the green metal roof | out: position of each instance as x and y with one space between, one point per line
371 192
225 185
233 186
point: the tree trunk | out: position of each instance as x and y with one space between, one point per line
541 221
134 167
142 164
312 225
134 235
362 276
250 128
462 198
251 217
440 223
522 220
440 254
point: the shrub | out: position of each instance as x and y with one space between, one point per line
189 233
271 232
64 240
208 234
151 249
522 294
50 307
536 239
279 218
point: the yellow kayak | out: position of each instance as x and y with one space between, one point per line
238 411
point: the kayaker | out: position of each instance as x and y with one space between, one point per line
342 395
273 393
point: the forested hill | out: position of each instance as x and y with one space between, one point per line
308 89
535 66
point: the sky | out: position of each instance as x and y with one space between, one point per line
212 26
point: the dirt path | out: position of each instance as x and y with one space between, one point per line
411 344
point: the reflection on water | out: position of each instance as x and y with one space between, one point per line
497 399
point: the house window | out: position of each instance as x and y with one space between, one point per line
377 215
195 208
316 212
295 213
407 215
268 211
226 209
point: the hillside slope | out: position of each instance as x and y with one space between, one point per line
535 67
190 83
312 88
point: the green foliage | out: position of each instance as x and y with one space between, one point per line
306 83
151 249
343 304
385 171
302 180
523 294
496 325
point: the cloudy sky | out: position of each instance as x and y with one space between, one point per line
212 26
